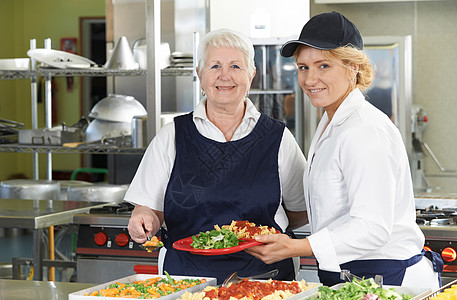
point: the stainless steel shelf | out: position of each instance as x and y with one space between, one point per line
92 149
24 74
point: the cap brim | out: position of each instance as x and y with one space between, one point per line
289 47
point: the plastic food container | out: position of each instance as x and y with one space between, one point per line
80 295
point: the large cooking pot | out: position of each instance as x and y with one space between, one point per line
117 108
65 184
30 189
102 192
100 129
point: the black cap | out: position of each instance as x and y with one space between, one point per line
326 31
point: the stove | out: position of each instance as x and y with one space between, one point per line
437 218
104 249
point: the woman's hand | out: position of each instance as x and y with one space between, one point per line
144 222
278 247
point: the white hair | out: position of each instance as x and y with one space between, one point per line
226 38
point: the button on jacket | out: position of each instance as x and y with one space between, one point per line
358 188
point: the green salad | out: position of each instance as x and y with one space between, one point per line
365 289
214 239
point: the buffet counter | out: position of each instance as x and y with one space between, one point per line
49 290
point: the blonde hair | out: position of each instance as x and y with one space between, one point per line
348 56
227 38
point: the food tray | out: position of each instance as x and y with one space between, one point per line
299 296
307 293
417 293
431 294
80 295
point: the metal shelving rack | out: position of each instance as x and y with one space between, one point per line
153 80
93 149
42 72
48 73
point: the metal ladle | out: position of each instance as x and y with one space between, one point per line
233 278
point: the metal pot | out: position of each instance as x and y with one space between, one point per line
98 193
117 108
30 189
100 129
65 184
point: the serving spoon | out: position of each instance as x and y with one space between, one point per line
233 278
151 248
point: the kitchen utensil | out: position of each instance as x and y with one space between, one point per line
59 59
347 276
100 130
50 136
117 108
100 192
233 278
122 56
15 64
65 184
139 134
30 189
151 248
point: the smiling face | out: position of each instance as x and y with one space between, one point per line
325 82
225 77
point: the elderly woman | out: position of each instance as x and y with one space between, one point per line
224 161
357 183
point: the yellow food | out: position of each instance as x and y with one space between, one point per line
246 229
154 241
151 288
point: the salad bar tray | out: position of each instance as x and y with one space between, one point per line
413 293
84 294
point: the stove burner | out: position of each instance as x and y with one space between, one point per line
120 208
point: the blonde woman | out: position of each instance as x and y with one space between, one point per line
357 182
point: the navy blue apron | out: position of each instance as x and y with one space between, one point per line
392 270
215 183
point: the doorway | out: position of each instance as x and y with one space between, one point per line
93 89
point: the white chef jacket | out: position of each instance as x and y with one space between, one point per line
358 189
151 179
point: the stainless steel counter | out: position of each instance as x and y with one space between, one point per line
37 215
37 290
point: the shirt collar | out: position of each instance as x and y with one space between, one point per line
250 113
347 107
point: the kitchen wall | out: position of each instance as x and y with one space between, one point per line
20 21
433 27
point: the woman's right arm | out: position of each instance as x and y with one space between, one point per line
144 222
147 189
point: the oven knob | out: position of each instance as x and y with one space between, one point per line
122 239
100 238
449 254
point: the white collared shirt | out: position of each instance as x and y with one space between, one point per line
358 188
151 179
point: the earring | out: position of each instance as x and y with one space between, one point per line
203 93
247 94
